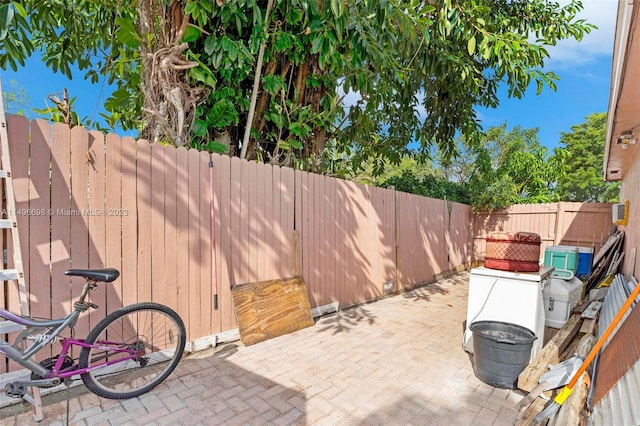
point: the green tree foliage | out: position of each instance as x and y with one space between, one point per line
507 167
16 99
582 178
118 42
419 70
412 177
511 167
400 58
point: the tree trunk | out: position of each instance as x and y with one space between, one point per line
312 97
256 86
260 116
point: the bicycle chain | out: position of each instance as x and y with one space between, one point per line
49 363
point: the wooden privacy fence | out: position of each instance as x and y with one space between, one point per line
89 200
572 224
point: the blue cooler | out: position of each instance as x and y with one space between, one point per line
585 260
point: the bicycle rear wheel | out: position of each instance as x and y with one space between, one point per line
155 332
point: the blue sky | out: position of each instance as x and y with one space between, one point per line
584 70
585 76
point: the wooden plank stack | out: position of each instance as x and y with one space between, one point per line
607 261
569 341
577 337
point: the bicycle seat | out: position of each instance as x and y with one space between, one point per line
106 275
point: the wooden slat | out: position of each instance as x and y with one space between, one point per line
528 417
367 243
182 237
282 237
323 240
113 227
400 242
347 295
97 216
307 236
302 226
588 326
335 239
342 292
39 247
206 291
271 255
235 206
358 217
169 281
225 232
157 220
220 252
193 248
240 258
314 256
79 222
272 308
550 354
351 246
144 193
129 275
289 232
275 195
253 228
60 222
297 188
261 217
310 241
18 137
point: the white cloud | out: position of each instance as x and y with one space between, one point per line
599 42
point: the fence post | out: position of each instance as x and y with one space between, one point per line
556 233
447 227
396 242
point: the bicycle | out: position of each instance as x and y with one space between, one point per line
128 353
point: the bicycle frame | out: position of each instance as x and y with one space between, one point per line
51 330
23 358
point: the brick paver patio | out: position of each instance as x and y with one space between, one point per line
397 361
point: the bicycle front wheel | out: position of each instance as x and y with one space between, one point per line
133 350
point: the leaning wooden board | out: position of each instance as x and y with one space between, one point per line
268 309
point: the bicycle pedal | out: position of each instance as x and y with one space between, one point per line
15 389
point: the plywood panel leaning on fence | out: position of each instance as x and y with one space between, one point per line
271 308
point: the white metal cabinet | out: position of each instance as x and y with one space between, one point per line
512 297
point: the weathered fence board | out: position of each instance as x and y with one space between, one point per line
575 224
113 226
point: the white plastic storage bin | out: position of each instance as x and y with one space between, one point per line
560 297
